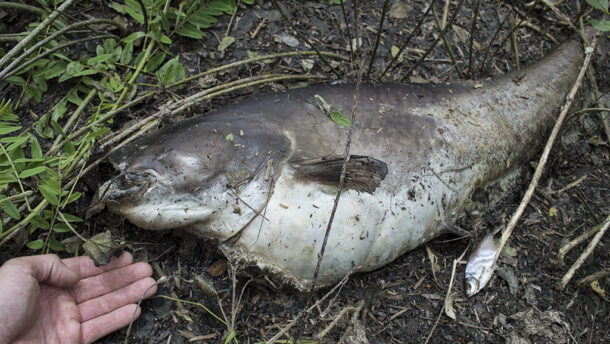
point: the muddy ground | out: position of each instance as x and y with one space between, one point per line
400 302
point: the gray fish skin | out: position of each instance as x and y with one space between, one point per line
439 144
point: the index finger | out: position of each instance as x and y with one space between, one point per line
85 267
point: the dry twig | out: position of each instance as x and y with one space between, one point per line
567 247
455 263
593 277
545 154
568 276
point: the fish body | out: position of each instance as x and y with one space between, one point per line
480 266
259 177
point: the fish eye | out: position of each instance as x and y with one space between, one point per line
472 285
139 178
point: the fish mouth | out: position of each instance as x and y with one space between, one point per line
125 187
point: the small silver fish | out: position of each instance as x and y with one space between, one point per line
480 266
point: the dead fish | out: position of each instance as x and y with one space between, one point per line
480 266
259 177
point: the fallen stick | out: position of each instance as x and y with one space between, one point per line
593 277
24 42
567 247
447 295
546 152
568 276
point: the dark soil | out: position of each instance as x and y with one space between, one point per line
401 301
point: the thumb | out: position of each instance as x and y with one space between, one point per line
48 269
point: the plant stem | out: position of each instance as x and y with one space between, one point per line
22 7
34 33
254 59
133 78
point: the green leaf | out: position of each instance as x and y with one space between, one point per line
226 42
171 72
8 130
158 36
6 178
134 10
601 25
134 36
35 245
202 20
35 150
73 197
61 228
74 98
229 137
15 80
32 172
601 5
395 50
32 93
337 117
56 245
72 218
17 142
74 67
57 127
219 6
126 54
122 9
189 30
59 111
86 72
50 193
39 222
230 337
20 160
56 69
69 147
99 59
9 208
155 62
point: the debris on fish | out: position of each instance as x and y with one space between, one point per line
480 266
420 152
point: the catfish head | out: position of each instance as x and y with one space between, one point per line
211 173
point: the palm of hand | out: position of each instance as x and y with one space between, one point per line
57 319
101 302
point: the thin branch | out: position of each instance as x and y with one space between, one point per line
443 31
349 35
301 36
472 28
568 276
545 154
497 32
453 270
378 36
341 182
308 310
579 239
254 59
50 51
34 33
406 42
23 7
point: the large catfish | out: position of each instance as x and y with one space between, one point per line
259 177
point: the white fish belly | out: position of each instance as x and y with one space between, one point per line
368 231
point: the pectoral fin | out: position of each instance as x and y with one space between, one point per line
363 174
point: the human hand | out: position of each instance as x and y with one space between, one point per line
47 300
